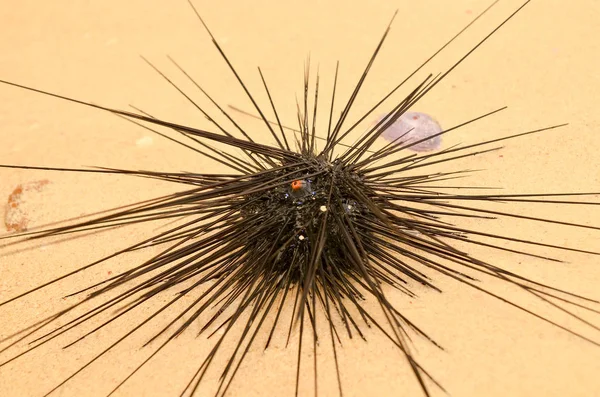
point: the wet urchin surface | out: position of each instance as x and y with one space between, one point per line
295 219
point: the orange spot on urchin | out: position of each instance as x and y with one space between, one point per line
297 185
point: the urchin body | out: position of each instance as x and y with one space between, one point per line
303 217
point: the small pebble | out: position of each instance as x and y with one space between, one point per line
422 126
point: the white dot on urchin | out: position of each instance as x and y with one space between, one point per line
323 208
301 237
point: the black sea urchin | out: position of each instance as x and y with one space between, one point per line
309 223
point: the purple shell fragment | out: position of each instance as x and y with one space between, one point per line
415 126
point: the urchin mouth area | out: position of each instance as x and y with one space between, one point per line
302 215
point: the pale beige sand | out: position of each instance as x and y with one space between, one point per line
543 65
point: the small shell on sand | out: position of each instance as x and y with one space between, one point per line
16 216
422 126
